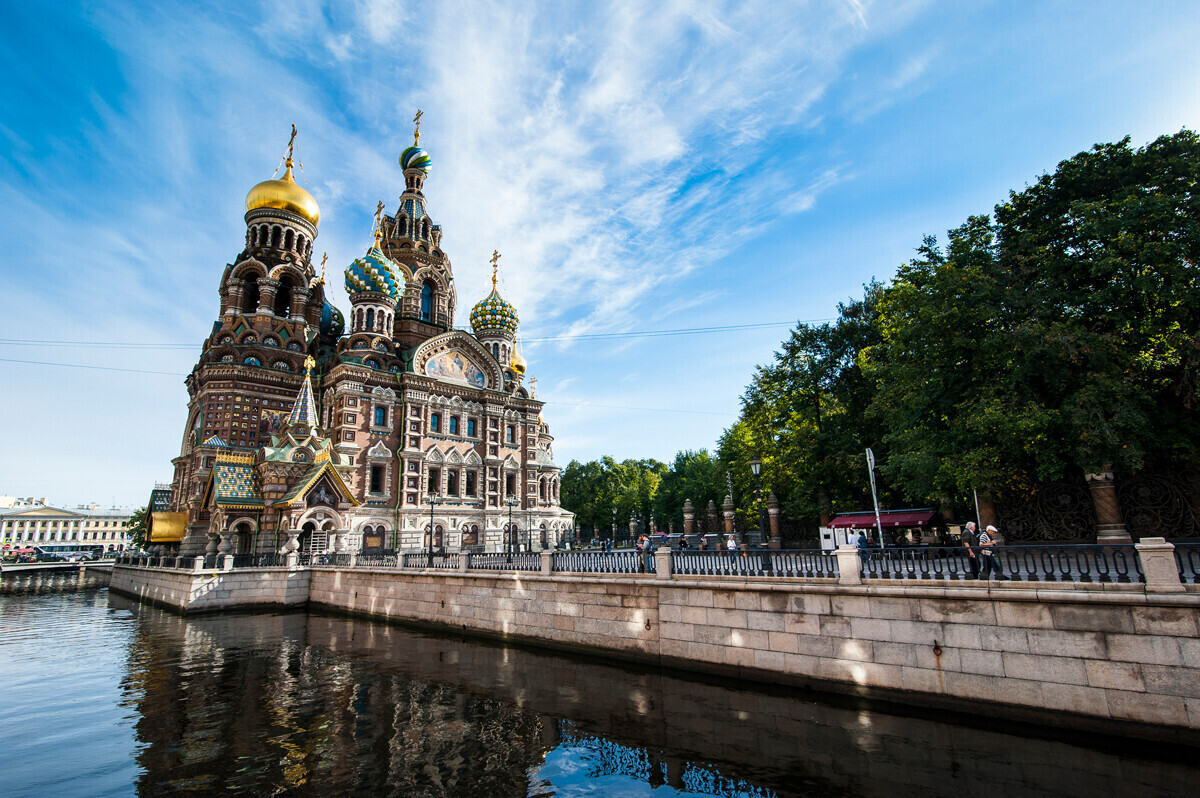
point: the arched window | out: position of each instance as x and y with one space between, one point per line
370 318
276 234
435 423
250 294
427 302
453 425
289 240
300 245
283 297
402 226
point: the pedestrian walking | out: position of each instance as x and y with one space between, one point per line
731 547
649 549
863 544
987 543
970 541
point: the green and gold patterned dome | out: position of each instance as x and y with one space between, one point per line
494 314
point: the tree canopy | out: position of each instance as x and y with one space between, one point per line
1058 335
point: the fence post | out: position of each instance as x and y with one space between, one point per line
849 566
662 562
1158 565
353 558
198 564
293 559
547 562
226 562
464 561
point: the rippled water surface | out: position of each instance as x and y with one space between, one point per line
106 697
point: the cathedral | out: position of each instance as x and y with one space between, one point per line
398 433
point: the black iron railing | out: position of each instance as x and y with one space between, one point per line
756 562
339 559
1070 563
1187 557
376 560
187 563
446 560
598 562
505 562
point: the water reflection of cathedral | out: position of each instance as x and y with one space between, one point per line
348 436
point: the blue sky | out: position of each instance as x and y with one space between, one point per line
641 166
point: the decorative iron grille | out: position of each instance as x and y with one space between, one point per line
1053 511
1158 505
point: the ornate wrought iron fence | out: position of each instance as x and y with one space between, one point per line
210 560
1158 505
266 560
810 563
1054 511
1187 556
186 563
505 562
339 559
598 562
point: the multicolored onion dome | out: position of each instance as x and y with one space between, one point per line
284 194
415 158
374 272
493 314
333 323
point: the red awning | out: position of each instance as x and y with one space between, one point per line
904 518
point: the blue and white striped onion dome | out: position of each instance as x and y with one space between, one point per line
332 321
493 313
415 158
374 272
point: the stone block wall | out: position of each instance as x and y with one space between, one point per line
206 591
1074 655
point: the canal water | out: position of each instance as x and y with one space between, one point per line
106 697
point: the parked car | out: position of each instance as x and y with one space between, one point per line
79 556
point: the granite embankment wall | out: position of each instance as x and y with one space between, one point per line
207 591
1112 658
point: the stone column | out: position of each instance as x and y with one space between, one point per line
653 526
773 515
689 518
662 562
727 511
1159 566
226 550
267 290
547 562
632 527
712 516
299 300
849 565
1110 527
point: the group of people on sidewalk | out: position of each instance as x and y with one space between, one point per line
981 558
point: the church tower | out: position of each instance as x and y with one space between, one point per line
494 322
414 242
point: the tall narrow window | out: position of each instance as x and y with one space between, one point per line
453 425
452 483
377 479
381 416
370 319
510 433
471 427
435 423
435 480
427 302
470 480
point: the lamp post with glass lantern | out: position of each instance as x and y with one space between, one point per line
511 502
432 497
756 469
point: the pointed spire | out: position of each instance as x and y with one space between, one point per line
304 411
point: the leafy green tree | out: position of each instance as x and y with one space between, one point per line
139 528
694 475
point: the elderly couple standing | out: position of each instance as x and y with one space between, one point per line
981 558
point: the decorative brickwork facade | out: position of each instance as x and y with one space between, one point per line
301 431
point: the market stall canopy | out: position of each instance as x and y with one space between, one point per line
891 518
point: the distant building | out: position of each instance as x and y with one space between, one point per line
344 439
32 522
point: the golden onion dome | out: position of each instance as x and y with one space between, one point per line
518 362
284 194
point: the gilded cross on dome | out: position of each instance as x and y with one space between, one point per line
324 257
495 266
291 145
378 222
417 128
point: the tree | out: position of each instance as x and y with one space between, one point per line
138 528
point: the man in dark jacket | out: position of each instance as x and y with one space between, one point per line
970 541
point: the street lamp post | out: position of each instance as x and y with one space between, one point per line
432 497
613 539
756 469
512 502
